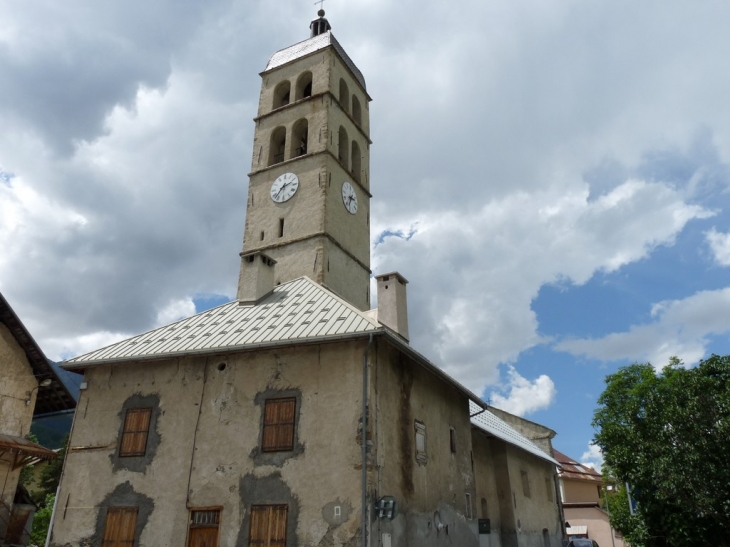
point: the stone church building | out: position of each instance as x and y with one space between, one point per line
296 415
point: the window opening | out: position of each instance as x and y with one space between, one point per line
120 527
356 111
281 227
135 432
300 137
278 431
452 439
421 456
343 146
277 145
304 86
282 94
262 236
355 161
344 96
203 528
525 483
468 513
268 526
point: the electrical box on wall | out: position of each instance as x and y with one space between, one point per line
386 508
484 526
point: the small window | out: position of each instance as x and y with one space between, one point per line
278 431
203 529
268 526
136 430
421 456
525 483
120 526
468 513
281 227
452 439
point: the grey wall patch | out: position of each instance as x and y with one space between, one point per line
336 512
269 490
138 463
277 459
123 496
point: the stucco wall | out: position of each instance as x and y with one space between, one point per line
597 522
208 454
16 385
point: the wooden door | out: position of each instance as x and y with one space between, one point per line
203 537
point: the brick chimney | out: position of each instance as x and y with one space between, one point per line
256 279
392 302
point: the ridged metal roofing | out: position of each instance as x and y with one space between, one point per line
488 422
311 45
295 311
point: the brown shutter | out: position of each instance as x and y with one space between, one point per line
120 526
278 434
268 526
136 429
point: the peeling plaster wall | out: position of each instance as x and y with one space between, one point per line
431 494
16 384
208 422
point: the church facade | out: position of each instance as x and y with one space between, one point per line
295 415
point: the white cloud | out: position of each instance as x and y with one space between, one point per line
523 396
681 328
175 310
720 245
474 274
593 457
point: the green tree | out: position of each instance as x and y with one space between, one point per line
51 474
668 436
42 521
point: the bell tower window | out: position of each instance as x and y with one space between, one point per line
304 86
281 94
300 137
343 146
344 95
356 111
355 163
277 145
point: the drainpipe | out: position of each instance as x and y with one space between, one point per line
364 438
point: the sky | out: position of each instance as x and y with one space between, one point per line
553 178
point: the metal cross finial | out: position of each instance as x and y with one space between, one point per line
320 2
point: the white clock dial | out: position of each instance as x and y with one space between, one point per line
349 198
284 187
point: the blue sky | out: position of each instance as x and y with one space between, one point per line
553 180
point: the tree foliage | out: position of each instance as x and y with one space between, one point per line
668 436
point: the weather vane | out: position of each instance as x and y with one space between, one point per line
320 2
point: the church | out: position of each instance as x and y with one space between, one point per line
295 415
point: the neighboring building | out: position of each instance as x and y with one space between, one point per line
28 387
294 415
581 490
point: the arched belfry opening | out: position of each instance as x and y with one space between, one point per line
344 95
355 166
343 147
356 111
282 94
304 86
319 26
299 138
277 146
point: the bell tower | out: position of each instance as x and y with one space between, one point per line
309 187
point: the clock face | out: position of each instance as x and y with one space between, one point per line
349 198
284 187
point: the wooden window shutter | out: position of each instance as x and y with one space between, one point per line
268 526
136 429
203 531
278 434
119 529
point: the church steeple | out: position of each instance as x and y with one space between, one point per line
308 208
319 26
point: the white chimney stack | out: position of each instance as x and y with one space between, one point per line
392 302
256 279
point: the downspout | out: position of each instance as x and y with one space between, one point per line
364 438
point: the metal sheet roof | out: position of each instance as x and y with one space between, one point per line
574 470
19 445
486 421
295 311
311 45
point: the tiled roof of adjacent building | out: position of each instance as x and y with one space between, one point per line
486 421
295 311
311 45
571 469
